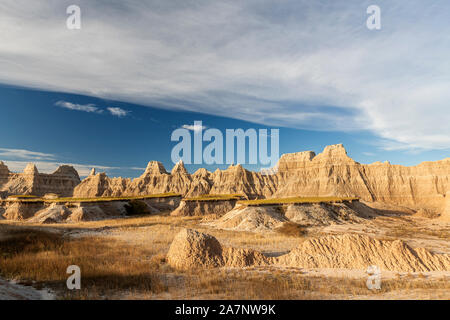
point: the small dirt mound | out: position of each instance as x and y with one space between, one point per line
90 213
358 252
248 218
18 211
53 214
202 208
191 249
322 214
271 217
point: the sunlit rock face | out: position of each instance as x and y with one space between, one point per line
61 182
330 173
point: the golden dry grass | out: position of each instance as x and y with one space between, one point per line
107 265
215 197
125 258
297 200
23 196
292 229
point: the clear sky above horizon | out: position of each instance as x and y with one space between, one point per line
34 128
110 94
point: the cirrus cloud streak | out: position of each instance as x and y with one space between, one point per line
295 63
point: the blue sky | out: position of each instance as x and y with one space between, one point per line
310 68
34 121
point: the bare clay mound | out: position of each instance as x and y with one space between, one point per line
269 218
201 208
322 214
191 250
358 252
60 213
246 218
53 214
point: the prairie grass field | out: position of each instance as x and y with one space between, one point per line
126 259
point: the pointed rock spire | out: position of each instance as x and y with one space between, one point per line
201 173
155 167
237 167
334 153
179 168
93 172
31 169
66 170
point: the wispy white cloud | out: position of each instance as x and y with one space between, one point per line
78 107
118 112
194 127
6 153
262 61
115 111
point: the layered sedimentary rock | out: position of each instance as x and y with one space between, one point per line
353 251
201 208
446 212
61 182
155 179
330 173
271 217
334 173
40 211
193 250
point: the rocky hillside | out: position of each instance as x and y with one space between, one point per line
330 173
334 173
62 181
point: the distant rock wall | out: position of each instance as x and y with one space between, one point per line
61 182
334 173
330 173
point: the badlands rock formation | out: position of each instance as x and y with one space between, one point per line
201 208
330 173
334 173
359 251
48 211
254 219
61 182
191 249
270 217
446 212
156 179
